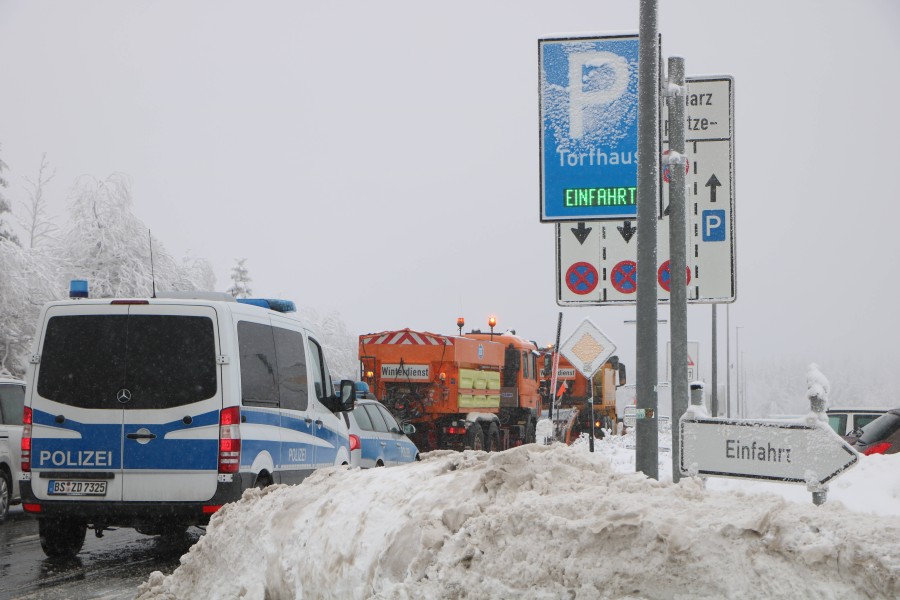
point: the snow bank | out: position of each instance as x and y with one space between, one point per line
532 522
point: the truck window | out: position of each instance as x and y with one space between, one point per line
292 380
165 360
256 343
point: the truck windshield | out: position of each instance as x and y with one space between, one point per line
162 360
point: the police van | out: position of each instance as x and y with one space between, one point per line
153 413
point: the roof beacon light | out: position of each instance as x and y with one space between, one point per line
78 288
282 306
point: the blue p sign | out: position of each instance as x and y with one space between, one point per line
713 225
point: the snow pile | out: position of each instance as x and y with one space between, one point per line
532 522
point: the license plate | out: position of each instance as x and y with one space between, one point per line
76 488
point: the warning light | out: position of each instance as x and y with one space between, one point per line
443 378
460 322
370 374
492 320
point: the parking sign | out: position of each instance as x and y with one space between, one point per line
589 120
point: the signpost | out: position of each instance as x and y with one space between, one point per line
589 123
766 450
587 349
610 246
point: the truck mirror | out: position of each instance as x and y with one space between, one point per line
622 378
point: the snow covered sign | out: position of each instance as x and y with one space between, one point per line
589 119
588 348
790 452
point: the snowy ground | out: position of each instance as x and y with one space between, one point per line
548 522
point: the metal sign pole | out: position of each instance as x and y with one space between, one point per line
646 437
591 441
553 375
677 253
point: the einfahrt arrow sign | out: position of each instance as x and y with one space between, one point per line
790 452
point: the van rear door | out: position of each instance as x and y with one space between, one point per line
126 405
77 421
171 416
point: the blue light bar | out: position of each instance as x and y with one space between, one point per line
282 306
78 288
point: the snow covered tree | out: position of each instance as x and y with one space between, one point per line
339 346
27 280
38 224
108 245
240 278
5 232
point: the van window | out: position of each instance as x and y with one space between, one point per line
256 345
12 399
292 380
164 360
321 377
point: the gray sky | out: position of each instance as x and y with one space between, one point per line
381 158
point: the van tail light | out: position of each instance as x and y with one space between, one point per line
354 442
26 440
230 440
879 448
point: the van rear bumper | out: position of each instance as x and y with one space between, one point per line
118 513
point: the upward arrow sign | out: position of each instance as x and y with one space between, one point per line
712 184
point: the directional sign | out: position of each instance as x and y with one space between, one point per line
709 149
588 107
710 243
587 348
769 450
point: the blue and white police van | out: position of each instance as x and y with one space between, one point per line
153 413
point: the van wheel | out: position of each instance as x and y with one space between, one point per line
493 438
61 538
5 491
475 437
263 481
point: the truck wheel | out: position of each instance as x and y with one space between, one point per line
475 437
493 438
61 538
5 493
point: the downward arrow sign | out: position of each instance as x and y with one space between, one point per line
712 184
627 231
581 232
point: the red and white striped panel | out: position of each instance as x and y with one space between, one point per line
408 337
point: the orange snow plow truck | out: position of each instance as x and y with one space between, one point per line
478 391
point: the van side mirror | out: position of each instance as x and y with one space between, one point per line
408 428
348 396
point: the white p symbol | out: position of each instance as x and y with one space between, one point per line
609 87
713 221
